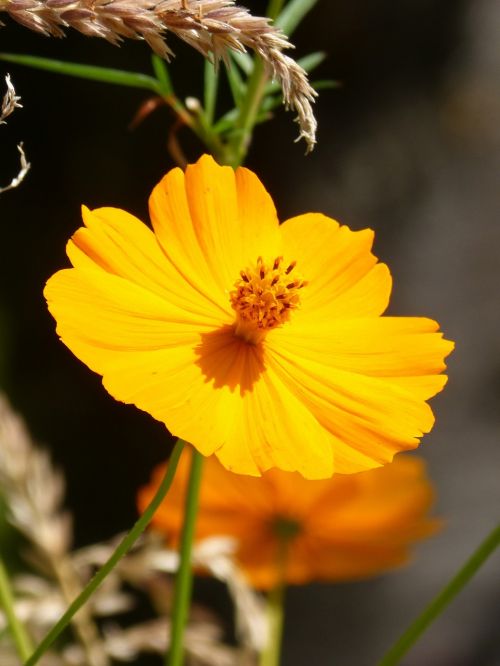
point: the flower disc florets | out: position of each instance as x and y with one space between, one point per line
263 298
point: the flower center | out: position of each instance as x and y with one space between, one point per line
286 529
263 298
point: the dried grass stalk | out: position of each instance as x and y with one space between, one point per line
11 102
34 491
210 26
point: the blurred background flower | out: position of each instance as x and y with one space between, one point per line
344 528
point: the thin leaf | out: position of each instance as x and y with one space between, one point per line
326 84
311 61
292 15
103 74
225 125
243 60
210 91
236 84
162 74
226 122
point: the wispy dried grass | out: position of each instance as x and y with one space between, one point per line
210 26
33 492
10 102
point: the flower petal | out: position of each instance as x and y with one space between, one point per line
212 223
276 430
211 388
356 378
343 276
120 244
101 316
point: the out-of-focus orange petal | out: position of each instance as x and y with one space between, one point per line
349 527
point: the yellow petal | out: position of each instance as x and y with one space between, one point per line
118 243
343 276
213 222
378 346
277 431
101 316
343 372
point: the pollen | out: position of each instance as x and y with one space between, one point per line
264 297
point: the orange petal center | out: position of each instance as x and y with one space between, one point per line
264 297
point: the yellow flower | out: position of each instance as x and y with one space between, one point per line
344 528
259 342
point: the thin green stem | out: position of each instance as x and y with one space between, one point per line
274 8
439 603
17 630
184 578
248 114
250 107
210 91
271 654
120 551
285 531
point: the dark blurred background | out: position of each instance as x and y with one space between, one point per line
409 146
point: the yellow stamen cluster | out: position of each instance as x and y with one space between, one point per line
263 298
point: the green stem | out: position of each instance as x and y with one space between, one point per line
17 630
184 578
248 114
120 551
271 654
285 531
249 110
436 607
274 8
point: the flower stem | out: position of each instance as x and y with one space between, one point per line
251 104
285 531
248 114
271 654
17 630
120 551
439 603
274 8
184 578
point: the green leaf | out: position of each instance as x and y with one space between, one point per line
326 84
210 90
243 60
311 61
292 15
236 83
162 74
226 122
103 74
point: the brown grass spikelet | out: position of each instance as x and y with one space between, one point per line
10 102
210 26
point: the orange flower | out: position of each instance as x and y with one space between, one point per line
344 528
259 342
